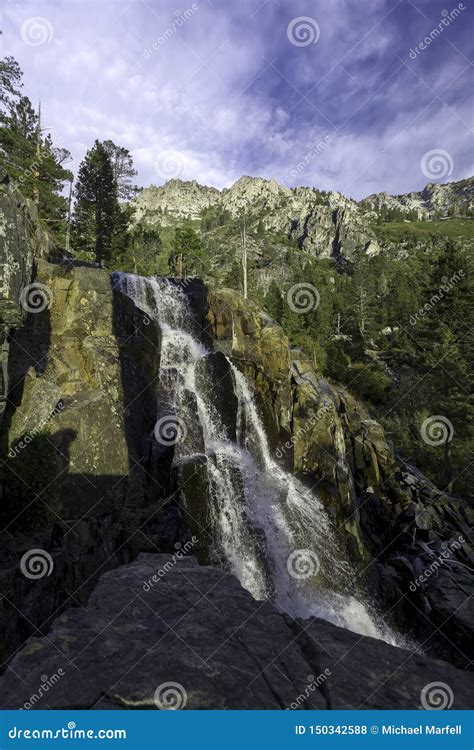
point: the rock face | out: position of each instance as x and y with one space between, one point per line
22 240
83 372
453 199
325 225
395 524
165 619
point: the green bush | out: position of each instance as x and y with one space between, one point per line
370 382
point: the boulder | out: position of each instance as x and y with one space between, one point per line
164 619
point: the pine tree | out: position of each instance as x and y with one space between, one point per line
187 255
123 170
10 84
34 165
96 209
273 302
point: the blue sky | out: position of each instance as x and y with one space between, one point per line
212 90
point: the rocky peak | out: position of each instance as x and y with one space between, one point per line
434 201
323 224
175 200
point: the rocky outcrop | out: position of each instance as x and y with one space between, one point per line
434 201
326 225
395 524
78 444
166 629
180 200
22 240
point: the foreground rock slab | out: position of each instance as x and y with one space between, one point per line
163 620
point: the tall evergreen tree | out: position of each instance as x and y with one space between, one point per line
123 170
96 208
33 164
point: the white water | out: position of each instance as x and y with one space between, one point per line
271 530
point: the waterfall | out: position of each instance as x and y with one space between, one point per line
269 529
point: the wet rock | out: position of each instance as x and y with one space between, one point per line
215 380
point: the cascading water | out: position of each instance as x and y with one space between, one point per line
271 530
